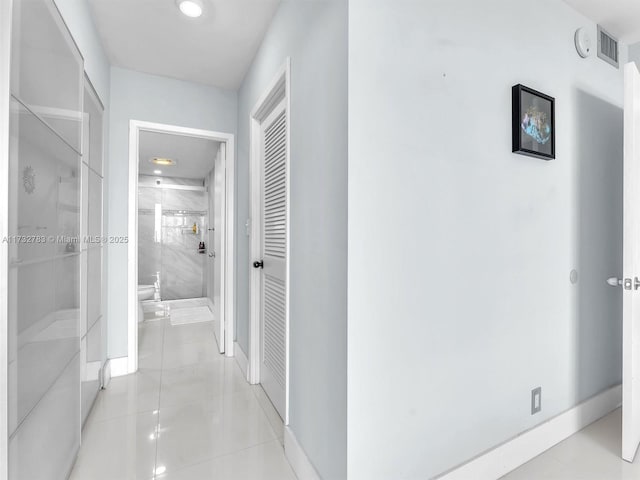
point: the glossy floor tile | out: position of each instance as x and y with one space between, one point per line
188 413
591 454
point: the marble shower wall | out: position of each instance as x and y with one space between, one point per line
174 252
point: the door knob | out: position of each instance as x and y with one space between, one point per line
258 264
614 281
212 254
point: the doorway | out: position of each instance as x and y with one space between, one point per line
197 227
270 206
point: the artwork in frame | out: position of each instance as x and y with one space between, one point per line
533 123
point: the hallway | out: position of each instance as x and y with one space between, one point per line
187 414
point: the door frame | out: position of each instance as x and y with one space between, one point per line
228 272
279 88
212 208
6 18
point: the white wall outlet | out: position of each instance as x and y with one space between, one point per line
536 400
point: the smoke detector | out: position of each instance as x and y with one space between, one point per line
584 43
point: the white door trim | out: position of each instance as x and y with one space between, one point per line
228 273
5 92
279 88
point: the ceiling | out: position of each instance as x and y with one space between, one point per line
152 36
621 18
194 156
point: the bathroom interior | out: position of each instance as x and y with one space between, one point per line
175 229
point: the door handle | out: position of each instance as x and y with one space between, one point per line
614 281
212 254
258 264
626 283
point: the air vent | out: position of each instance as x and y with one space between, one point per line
607 47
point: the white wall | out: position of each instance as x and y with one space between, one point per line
77 16
634 53
314 35
139 96
460 251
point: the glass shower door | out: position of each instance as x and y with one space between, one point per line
149 234
183 233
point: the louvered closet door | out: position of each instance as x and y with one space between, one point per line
274 242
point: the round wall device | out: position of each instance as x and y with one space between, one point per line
583 42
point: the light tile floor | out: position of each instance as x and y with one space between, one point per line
188 414
591 454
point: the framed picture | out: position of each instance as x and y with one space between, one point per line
533 124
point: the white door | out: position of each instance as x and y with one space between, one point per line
218 250
209 238
631 266
273 295
212 264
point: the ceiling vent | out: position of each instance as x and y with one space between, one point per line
607 47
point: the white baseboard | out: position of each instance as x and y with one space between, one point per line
106 374
510 455
297 457
119 366
241 358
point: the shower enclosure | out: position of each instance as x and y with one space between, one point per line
172 227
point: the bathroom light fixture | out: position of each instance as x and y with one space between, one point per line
157 172
190 8
165 162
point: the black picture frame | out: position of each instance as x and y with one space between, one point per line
533 123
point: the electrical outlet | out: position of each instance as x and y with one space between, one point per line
536 400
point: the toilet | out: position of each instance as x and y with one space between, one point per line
145 292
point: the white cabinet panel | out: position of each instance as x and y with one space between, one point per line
93 124
45 445
92 354
91 366
44 221
94 288
46 336
95 205
44 189
47 69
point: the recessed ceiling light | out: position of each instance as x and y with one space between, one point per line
166 162
157 172
191 8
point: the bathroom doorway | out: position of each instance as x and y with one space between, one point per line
174 181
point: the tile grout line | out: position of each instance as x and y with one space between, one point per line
157 432
229 454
